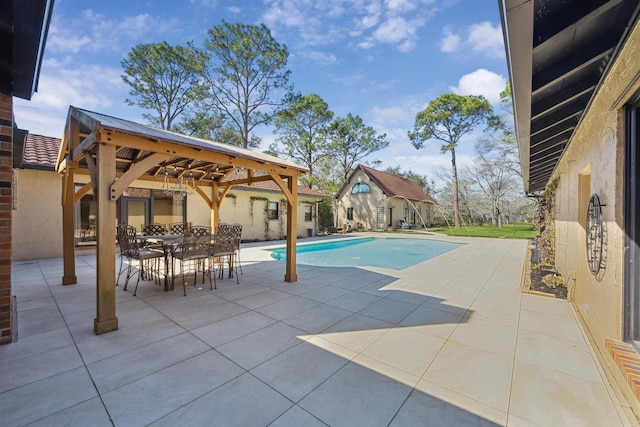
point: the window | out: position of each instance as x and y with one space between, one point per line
360 187
272 210
308 212
350 214
380 216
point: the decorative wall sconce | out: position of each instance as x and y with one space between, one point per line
595 233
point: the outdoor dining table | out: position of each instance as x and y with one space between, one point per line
168 242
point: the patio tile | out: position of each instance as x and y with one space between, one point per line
405 349
559 326
255 348
16 373
506 315
232 328
245 401
356 332
150 398
282 309
489 336
430 405
46 397
474 373
325 293
353 301
433 322
35 303
90 412
98 347
195 312
296 417
557 307
126 367
317 319
450 305
407 296
39 320
567 400
339 400
388 310
257 300
543 350
35 344
299 370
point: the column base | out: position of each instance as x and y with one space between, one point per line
69 280
290 277
104 326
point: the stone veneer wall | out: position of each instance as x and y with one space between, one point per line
6 199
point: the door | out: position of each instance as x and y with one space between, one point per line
631 203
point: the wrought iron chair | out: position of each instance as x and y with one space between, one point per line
128 239
177 228
224 248
193 255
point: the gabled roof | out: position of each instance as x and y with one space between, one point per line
392 185
269 186
40 152
558 53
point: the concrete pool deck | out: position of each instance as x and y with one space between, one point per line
449 341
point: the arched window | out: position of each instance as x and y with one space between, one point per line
361 187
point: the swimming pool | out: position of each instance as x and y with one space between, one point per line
394 253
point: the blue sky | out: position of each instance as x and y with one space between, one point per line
383 60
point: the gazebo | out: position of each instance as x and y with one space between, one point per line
115 152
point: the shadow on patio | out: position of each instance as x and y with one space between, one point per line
342 346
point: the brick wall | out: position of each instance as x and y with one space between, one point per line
6 196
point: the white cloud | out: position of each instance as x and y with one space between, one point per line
481 82
486 38
450 41
91 87
368 23
93 32
322 58
481 37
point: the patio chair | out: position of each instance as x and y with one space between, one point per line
153 229
224 248
177 228
135 252
193 255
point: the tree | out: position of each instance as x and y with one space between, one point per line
164 79
302 132
213 127
246 67
448 118
351 141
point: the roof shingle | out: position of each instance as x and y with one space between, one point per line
40 152
393 185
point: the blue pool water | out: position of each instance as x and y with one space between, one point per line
394 253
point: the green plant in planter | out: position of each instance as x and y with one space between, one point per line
553 280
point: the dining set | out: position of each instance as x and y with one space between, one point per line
179 251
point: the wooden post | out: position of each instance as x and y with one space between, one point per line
106 320
68 228
215 206
292 223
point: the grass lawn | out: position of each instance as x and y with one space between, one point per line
520 230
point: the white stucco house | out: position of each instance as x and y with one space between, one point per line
373 200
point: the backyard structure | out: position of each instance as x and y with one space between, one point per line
36 231
373 200
114 153
574 70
